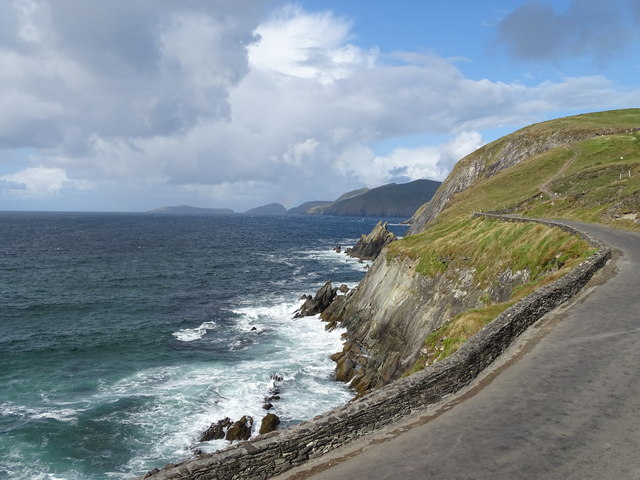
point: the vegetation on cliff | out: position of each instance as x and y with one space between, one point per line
440 285
507 260
546 148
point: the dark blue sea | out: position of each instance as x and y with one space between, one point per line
124 336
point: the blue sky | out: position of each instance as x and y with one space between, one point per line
128 106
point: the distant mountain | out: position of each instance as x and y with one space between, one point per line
352 193
308 207
392 200
193 210
270 209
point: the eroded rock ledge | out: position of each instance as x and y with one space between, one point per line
370 246
274 453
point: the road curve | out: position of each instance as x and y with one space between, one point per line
567 407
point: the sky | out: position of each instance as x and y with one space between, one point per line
132 105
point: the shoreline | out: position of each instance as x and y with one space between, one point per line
275 453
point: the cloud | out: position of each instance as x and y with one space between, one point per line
432 162
121 69
536 31
40 181
207 102
307 45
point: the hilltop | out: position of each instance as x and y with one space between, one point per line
598 142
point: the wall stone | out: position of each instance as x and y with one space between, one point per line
277 452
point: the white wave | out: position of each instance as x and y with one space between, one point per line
192 334
31 413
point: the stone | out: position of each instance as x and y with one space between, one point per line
216 431
269 423
370 246
240 430
322 299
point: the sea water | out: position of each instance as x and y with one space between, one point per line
124 336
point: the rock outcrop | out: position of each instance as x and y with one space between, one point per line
370 246
229 430
318 303
269 423
394 309
216 431
240 430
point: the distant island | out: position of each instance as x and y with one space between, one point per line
270 209
391 200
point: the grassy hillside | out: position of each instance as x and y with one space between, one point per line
595 179
392 200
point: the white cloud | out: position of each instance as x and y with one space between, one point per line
306 45
432 162
41 180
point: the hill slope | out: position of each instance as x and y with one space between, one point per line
429 292
392 200
520 146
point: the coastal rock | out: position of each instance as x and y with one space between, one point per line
317 304
388 317
240 430
343 288
216 431
269 423
370 246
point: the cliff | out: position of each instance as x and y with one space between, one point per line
428 293
516 148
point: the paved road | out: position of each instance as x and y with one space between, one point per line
567 408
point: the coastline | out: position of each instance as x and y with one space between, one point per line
280 451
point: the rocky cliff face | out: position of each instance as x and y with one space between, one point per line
495 157
394 309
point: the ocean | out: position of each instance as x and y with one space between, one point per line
124 336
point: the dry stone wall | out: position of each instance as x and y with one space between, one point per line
277 452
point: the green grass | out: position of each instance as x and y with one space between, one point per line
589 180
488 246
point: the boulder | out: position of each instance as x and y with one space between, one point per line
370 246
343 288
269 423
322 299
240 430
216 431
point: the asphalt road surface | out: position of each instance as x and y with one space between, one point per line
566 407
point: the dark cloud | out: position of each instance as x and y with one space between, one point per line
536 31
118 68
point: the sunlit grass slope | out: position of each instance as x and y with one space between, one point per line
595 180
